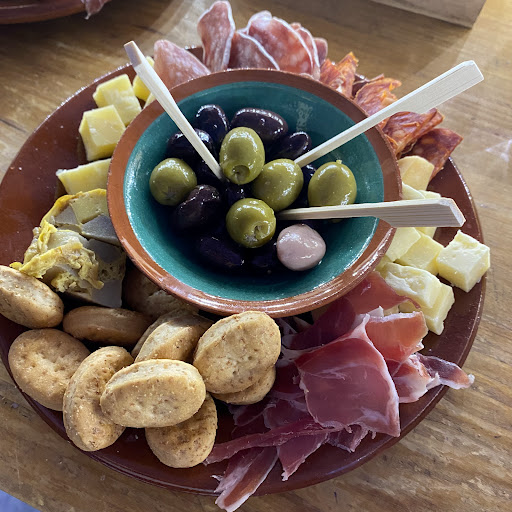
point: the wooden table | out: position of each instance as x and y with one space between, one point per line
459 458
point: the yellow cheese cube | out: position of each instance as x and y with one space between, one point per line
85 177
415 171
436 315
139 89
422 254
429 194
409 193
89 205
412 282
119 93
382 263
428 230
150 99
402 241
101 130
463 261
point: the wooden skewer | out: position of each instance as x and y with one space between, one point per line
441 212
154 83
428 96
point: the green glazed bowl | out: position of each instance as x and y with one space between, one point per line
354 246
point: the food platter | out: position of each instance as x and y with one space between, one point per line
26 11
28 191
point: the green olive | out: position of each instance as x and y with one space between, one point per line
279 183
332 184
171 181
251 222
242 155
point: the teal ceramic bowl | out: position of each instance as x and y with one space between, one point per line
354 246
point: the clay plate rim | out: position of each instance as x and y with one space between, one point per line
453 345
287 306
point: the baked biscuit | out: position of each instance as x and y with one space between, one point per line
237 351
153 393
42 363
252 394
189 443
171 337
144 296
27 301
112 326
86 424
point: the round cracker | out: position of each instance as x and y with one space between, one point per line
153 393
237 351
42 363
86 424
171 337
252 394
189 443
113 326
27 301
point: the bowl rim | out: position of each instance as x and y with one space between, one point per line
287 306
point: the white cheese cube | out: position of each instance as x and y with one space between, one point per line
415 283
402 241
139 88
430 231
382 263
101 130
463 261
118 92
429 194
436 315
85 177
422 254
415 171
409 193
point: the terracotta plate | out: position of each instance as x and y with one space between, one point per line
25 11
28 191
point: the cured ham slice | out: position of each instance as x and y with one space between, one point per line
436 146
174 65
321 48
246 471
346 440
397 336
93 6
340 76
216 28
246 52
446 373
404 128
309 41
352 368
273 437
282 42
376 94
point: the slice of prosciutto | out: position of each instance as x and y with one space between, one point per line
282 42
346 440
175 65
93 6
246 471
216 28
347 382
247 52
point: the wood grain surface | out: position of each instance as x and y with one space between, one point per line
460 457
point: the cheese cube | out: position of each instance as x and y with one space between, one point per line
139 88
89 205
402 241
429 194
422 254
118 92
436 315
101 130
409 193
428 230
382 263
414 283
85 177
463 261
150 99
415 171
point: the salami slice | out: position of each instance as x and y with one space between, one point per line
307 37
376 95
436 146
362 80
340 76
216 28
321 48
174 65
282 42
404 128
246 52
